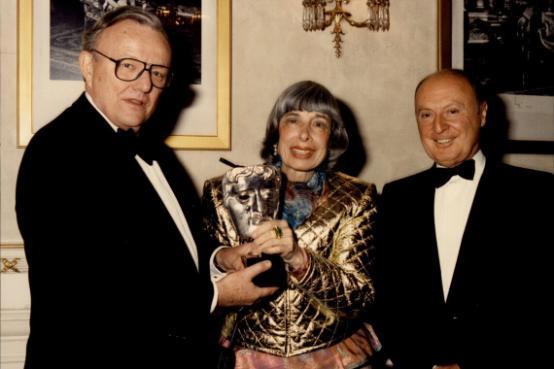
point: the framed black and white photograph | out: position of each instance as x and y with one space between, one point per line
68 19
49 80
508 44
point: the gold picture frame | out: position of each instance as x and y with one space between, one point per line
221 140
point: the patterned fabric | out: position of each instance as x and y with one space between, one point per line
301 198
329 303
352 353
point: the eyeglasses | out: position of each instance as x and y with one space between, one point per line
129 69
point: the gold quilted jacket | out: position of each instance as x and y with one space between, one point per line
329 303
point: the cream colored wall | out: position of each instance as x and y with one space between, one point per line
375 76
10 155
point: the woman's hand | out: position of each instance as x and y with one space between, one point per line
231 259
276 237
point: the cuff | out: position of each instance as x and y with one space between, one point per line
215 275
215 272
215 298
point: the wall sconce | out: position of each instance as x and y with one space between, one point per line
316 18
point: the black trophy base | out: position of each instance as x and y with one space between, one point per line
276 276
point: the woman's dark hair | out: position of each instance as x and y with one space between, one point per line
311 97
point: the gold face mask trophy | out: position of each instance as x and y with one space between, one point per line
251 194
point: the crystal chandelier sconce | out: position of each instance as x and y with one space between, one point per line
316 17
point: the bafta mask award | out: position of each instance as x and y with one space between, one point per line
251 194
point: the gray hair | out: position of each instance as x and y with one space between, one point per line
306 96
91 35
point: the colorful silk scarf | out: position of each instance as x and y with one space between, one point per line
301 198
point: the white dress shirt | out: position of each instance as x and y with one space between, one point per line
452 205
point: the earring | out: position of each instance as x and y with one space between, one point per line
275 152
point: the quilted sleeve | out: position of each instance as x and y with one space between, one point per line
341 280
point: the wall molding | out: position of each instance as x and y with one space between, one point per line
12 259
11 246
14 322
12 351
14 330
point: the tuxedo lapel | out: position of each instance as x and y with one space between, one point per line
427 195
417 245
186 195
136 192
471 252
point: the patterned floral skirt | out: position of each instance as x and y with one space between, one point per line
355 352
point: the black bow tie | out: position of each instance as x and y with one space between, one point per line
135 145
442 175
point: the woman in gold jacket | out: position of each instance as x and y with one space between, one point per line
325 238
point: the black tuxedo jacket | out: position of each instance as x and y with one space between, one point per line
112 281
496 303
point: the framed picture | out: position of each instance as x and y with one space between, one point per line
46 85
509 45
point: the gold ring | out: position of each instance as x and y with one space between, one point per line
278 232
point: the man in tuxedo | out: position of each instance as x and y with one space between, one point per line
462 244
110 222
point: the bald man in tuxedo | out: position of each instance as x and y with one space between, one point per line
461 245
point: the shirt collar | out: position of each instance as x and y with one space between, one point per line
89 98
480 162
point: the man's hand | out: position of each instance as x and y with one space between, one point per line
237 289
231 259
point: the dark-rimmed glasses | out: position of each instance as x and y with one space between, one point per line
129 69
